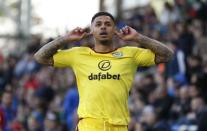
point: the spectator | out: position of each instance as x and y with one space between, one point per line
198 106
2 119
177 64
35 121
51 122
150 122
70 106
169 14
8 109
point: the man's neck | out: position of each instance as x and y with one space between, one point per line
104 47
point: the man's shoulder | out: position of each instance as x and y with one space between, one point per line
79 48
130 49
76 49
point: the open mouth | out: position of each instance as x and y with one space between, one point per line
103 33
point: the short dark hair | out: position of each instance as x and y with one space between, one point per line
102 13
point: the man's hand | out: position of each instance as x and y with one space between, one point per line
128 34
76 34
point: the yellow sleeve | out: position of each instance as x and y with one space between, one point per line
64 58
144 57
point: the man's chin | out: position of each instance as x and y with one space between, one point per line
105 42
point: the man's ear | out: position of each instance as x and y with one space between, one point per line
116 30
91 28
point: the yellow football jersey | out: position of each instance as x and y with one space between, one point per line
104 80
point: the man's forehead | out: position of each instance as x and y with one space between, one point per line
103 18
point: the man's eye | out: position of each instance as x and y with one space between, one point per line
98 24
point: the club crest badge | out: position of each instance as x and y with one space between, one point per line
117 54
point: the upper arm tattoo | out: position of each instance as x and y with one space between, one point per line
162 52
45 54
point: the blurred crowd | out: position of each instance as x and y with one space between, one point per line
167 97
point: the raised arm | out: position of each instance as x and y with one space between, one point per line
45 54
162 52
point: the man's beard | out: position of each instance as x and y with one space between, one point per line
105 42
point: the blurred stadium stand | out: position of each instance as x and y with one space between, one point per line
169 97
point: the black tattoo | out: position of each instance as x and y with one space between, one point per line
162 52
45 54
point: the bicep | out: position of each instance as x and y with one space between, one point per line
49 61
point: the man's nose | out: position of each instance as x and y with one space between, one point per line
103 27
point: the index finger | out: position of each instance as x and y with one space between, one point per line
119 34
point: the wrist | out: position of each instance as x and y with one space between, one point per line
66 39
